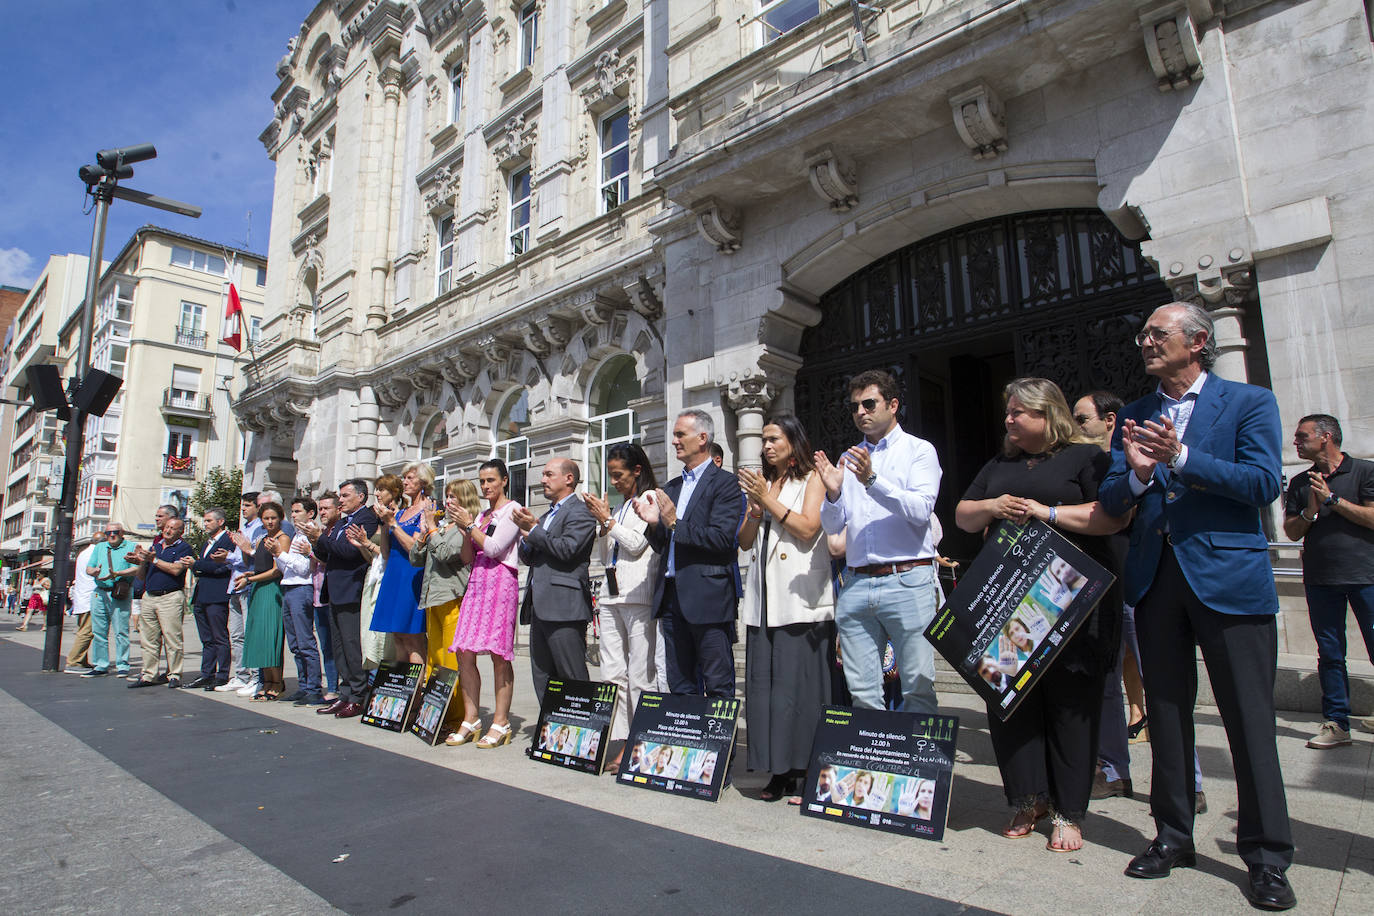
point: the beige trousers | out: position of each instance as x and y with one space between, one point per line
159 623
81 645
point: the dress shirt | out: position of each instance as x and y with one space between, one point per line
1179 411
689 483
252 530
295 567
889 522
553 510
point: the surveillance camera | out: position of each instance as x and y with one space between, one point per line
125 155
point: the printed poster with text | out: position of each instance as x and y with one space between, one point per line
883 770
434 703
394 686
1025 594
680 744
574 724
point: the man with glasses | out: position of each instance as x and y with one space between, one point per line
1330 508
885 506
210 601
1198 460
345 568
111 562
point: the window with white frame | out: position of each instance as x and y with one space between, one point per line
433 443
511 446
615 159
779 17
612 419
529 33
185 387
519 211
445 265
198 260
192 318
455 94
262 276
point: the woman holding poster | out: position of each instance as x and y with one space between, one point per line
1047 749
789 607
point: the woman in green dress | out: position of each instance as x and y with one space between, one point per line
263 630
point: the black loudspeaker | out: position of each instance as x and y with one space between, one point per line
97 390
45 385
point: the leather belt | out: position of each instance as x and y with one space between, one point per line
887 569
167 592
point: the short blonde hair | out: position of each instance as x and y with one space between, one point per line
466 493
422 471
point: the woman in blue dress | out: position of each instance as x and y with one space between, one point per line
398 610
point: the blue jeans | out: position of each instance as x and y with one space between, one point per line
1326 606
298 618
874 610
105 609
331 671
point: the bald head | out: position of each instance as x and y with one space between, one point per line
561 477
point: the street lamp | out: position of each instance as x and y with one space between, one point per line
91 391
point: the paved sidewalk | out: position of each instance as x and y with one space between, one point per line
1328 794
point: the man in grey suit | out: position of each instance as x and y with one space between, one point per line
557 548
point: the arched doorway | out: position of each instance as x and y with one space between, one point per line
1058 294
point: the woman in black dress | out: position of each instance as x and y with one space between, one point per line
1047 749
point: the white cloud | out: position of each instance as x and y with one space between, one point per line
16 268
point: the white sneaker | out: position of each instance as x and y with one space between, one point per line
250 689
1329 735
234 683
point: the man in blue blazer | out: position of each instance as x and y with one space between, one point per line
345 569
210 601
1198 460
693 523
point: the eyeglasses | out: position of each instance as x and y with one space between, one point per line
1154 335
113 534
868 404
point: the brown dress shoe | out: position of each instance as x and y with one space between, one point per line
330 709
348 711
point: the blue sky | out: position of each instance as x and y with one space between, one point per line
193 77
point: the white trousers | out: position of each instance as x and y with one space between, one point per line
628 638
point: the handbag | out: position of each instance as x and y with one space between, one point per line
123 588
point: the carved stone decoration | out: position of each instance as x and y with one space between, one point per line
597 310
459 370
751 392
557 331
494 349
1171 45
423 378
1231 286
392 392
610 82
646 298
534 340
443 189
719 224
980 121
516 141
834 178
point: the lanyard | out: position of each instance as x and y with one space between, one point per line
615 545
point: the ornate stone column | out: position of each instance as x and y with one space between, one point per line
1223 293
390 78
750 397
369 418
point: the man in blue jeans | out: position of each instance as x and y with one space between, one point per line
884 505
1330 508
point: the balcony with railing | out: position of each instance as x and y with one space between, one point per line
178 466
184 403
190 337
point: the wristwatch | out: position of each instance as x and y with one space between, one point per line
1173 459
871 479
1310 521
1332 501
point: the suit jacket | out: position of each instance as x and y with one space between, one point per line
345 567
1211 506
213 578
558 586
706 551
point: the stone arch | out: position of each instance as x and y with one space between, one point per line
627 333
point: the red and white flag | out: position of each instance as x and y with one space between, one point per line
233 316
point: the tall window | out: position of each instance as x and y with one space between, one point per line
529 34
612 419
519 212
432 444
191 325
615 160
179 443
782 16
262 276
511 445
455 94
445 265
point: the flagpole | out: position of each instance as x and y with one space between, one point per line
231 260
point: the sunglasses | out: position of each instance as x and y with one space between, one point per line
111 534
868 404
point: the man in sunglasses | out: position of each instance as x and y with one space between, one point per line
885 505
111 562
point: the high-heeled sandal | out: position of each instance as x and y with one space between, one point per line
1035 811
1138 731
466 732
1057 834
503 736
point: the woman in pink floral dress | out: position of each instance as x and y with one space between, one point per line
486 624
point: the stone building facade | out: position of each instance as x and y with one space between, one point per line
961 190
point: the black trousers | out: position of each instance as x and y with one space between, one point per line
346 638
1048 748
696 649
557 649
212 625
1241 654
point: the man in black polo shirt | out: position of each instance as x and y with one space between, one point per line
1330 507
163 603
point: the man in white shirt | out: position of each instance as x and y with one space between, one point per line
78 659
885 506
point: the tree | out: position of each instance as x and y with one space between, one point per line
220 489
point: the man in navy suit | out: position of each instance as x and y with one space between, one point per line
692 523
345 568
1198 460
210 601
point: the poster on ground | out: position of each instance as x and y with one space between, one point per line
883 770
389 702
574 725
680 744
1024 595
434 702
